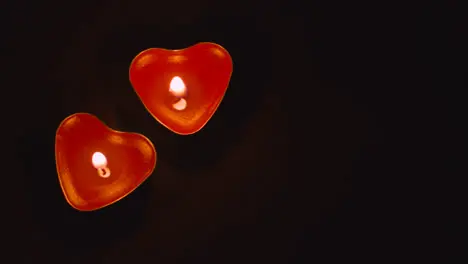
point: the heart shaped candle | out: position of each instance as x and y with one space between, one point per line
182 88
98 166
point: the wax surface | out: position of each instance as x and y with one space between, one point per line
205 70
130 157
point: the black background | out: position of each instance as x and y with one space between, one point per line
339 139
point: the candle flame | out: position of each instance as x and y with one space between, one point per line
99 160
177 86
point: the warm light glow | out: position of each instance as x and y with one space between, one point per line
177 86
100 163
99 160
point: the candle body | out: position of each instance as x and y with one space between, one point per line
204 70
85 148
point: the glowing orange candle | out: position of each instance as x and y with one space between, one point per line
98 166
182 88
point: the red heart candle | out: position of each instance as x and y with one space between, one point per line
182 88
98 166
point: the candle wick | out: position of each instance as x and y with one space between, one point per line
104 172
180 105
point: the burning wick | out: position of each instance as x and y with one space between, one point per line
100 163
178 89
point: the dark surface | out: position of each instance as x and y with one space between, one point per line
338 138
